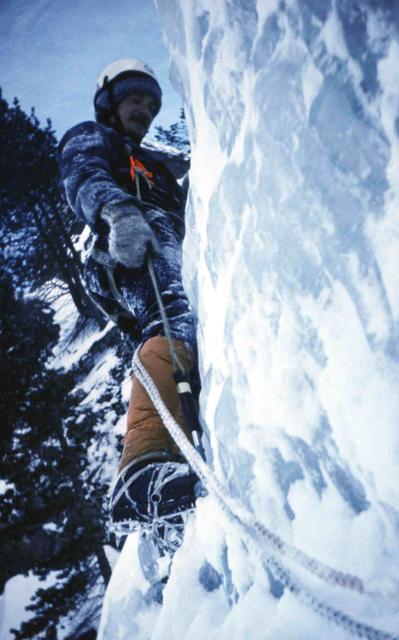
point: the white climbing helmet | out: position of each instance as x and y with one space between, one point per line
118 80
126 65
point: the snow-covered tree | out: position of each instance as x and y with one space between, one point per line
36 224
52 509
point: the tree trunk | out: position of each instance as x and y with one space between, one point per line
104 566
89 507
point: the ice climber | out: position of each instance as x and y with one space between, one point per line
133 205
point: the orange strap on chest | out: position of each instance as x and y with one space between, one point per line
137 167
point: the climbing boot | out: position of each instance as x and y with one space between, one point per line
155 483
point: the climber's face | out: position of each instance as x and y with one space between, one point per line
136 113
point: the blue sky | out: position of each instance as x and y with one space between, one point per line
51 52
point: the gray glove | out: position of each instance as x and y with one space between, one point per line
130 237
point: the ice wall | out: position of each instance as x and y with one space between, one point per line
291 264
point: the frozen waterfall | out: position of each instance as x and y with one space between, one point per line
291 262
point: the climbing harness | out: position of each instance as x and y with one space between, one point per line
256 535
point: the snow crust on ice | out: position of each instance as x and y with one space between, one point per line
291 265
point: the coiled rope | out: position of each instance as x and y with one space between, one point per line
255 534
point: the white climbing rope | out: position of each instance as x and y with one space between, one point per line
256 535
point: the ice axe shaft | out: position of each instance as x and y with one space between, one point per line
179 373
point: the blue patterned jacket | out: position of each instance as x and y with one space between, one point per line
95 169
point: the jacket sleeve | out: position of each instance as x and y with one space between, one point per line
85 158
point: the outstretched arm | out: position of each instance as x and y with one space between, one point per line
85 157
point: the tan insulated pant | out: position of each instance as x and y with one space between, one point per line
145 431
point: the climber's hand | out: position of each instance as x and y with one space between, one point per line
130 236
